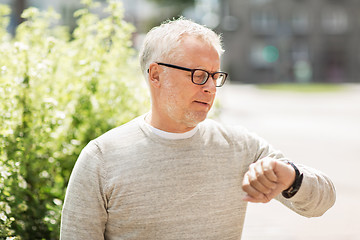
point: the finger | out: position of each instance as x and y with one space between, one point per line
250 190
248 198
279 188
268 166
263 199
256 178
263 178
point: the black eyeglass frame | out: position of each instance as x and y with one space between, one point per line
192 70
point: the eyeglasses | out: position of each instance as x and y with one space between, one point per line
200 76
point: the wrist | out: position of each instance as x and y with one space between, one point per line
295 186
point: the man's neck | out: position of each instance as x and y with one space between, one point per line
155 122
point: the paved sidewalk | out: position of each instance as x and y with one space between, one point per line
321 130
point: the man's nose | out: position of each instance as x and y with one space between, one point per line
210 85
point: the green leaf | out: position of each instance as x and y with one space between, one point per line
58 91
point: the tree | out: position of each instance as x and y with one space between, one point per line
18 7
57 92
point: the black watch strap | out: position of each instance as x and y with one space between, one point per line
294 188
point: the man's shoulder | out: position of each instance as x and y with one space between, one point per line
121 135
232 133
211 126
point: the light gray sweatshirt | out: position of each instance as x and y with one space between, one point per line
132 184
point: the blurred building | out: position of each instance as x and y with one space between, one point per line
291 41
266 41
138 12
64 7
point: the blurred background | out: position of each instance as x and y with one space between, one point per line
267 41
294 80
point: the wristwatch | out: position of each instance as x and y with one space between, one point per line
294 188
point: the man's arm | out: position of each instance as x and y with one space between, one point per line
316 195
84 213
268 177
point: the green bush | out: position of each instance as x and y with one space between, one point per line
57 92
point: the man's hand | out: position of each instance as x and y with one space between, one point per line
266 179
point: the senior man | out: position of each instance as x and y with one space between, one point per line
172 173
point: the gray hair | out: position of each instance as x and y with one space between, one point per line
161 42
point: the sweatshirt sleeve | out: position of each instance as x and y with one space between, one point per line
316 195
84 212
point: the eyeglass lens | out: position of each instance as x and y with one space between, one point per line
200 77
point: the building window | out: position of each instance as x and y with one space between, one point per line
264 22
335 20
300 22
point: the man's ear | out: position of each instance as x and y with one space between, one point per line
154 75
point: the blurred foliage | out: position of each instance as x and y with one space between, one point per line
57 92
